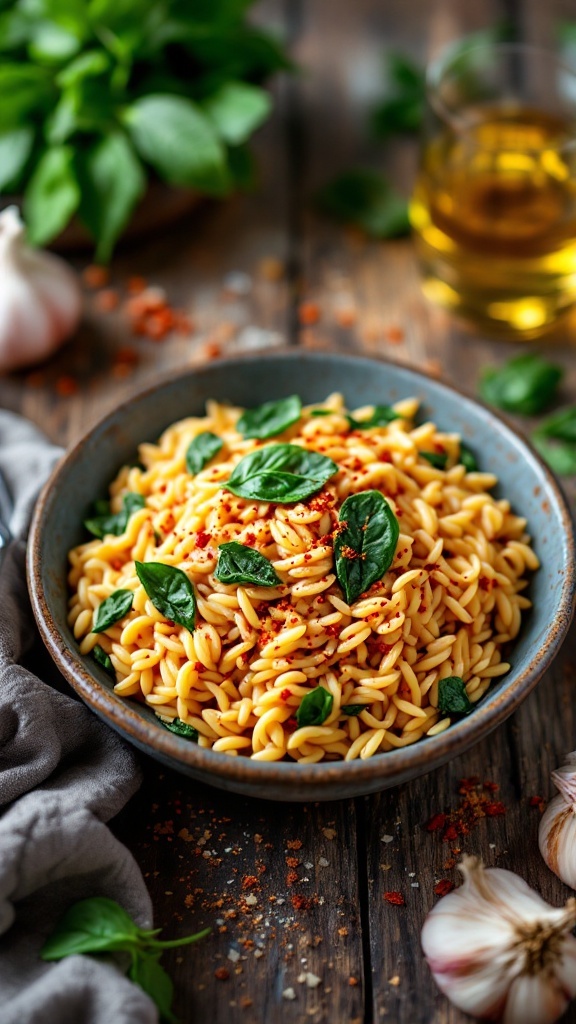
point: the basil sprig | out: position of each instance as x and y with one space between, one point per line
112 610
524 385
270 419
106 522
381 415
238 563
436 459
170 591
314 707
103 659
365 542
201 449
282 473
452 697
99 925
188 732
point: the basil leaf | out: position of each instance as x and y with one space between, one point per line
201 449
365 543
524 385
352 709
237 109
153 979
560 455
91 926
188 732
52 195
321 412
238 563
15 149
270 419
170 591
103 659
562 425
382 415
112 610
314 707
402 110
468 459
112 181
436 459
101 525
452 697
282 473
367 199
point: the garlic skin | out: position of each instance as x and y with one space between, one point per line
40 298
498 951
557 831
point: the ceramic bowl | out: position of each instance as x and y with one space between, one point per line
88 468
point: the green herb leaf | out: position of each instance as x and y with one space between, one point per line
352 710
270 419
188 732
94 925
238 563
561 425
436 459
382 415
524 385
201 449
452 697
112 182
468 459
282 473
314 707
366 199
52 195
178 140
553 440
236 110
106 522
147 972
170 591
112 610
103 659
23 88
15 149
403 108
321 412
365 543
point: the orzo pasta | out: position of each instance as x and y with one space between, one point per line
259 625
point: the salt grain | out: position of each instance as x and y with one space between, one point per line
251 900
322 862
288 993
312 980
233 955
387 839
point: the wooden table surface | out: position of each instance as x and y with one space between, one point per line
295 893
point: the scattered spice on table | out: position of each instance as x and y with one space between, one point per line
395 898
477 801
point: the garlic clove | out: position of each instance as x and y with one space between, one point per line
557 830
40 298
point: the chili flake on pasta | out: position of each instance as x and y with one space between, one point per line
274 628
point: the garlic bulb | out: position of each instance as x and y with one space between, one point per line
557 832
498 951
40 299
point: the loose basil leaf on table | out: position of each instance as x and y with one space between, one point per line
103 659
367 199
201 449
112 609
147 972
365 542
381 415
105 522
452 697
281 473
238 563
180 728
468 459
270 419
352 709
314 707
555 440
436 459
170 591
524 385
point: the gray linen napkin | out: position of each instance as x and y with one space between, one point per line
63 774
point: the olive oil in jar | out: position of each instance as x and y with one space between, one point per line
494 214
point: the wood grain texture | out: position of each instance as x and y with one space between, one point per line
295 893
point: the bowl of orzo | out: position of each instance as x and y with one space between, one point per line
302 576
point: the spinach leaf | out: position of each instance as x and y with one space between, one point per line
382 415
352 710
188 732
468 459
103 659
524 385
314 707
436 459
112 610
201 449
282 473
366 199
238 563
170 591
365 543
452 697
270 419
105 522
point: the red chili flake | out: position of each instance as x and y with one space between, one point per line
396 898
202 539
107 300
495 809
136 284
66 386
465 785
291 877
346 317
492 787
294 844
291 724
443 887
308 313
450 834
395 335
249 881
436 822
539 802
285 694
222 973
95 276
300 902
